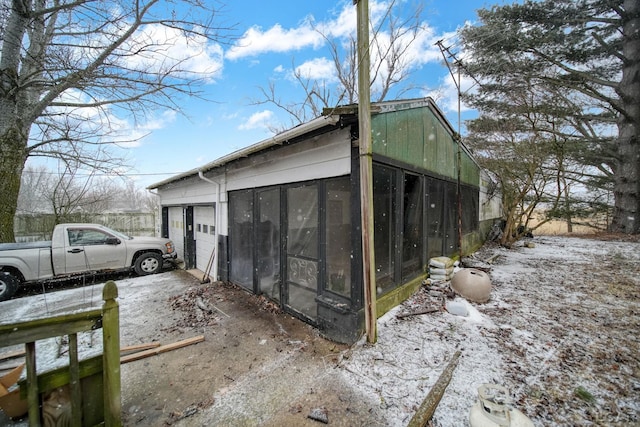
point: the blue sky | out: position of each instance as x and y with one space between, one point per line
270 41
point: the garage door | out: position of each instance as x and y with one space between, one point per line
204 220
176 229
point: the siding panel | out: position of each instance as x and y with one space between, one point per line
325 157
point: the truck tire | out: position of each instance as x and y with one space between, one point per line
148 263
8 285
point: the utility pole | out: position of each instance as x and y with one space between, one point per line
458 139
366 171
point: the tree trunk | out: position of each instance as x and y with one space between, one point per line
507 233
626 216
14 124
567 206
12 159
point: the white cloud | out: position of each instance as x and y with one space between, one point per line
255 41
102 124
317 69
308 34
230 116
341 27
155 123
259 120
344 25
446 95
159 48
132 135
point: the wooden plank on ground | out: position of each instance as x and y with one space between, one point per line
18 353
430 403
12 354
139 347
417 313
10 366
161 349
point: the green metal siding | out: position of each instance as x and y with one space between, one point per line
417 137
470 172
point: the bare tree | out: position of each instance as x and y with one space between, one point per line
150 202
392 38
134 198
68 192
69 68
65 193
35 179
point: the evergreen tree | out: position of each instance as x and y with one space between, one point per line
577 66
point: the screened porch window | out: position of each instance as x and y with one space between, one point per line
451 221
302 249
434 197
338 236
412 226
241 242
268 242
384 217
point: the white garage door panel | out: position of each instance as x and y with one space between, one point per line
176 230
204 224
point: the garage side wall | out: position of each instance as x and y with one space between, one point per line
188 191
190 220
323 156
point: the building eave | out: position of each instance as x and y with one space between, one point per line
279 139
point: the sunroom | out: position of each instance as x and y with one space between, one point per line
286 212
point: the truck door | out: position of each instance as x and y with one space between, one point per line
91 249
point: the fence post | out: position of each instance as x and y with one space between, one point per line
32 384
111 355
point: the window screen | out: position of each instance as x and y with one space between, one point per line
434 203
451 218
470 198
338 236
411 225
241 238
384 211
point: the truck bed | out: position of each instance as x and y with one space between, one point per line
27 245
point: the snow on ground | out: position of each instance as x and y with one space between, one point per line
133 295
560 332
405 363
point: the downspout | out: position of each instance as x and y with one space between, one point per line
217 220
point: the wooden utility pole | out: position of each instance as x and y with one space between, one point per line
457 138
366 168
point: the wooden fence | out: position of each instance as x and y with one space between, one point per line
70 325
31 228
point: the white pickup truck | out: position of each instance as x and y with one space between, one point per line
79 249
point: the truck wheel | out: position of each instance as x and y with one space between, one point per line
8 285
148 263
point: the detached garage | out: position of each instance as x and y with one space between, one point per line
281 218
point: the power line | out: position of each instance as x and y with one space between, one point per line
48 172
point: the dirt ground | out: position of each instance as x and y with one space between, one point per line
256 365
266 367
